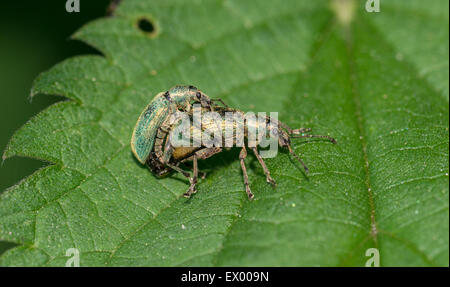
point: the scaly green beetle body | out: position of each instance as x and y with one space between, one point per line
167 157
158 111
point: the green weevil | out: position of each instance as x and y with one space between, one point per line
166 157
158 111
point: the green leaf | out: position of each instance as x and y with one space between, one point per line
378 82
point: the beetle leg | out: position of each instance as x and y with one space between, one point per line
298 158
316 136
269 179
290 130
221 101
208 152
164 129
176 168
242 156
300 131
280 124
193 180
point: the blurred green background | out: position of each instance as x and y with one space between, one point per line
33 37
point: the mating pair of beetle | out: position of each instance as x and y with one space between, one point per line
151 142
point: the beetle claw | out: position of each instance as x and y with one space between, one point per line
271 181
191 191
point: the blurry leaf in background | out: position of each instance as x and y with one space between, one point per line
341 71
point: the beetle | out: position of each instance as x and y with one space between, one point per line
166 157
158 111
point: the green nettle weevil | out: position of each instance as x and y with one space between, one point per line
158 111
164 156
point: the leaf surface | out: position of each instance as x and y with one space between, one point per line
378 88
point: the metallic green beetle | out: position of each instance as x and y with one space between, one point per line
158 111
165 157
152 146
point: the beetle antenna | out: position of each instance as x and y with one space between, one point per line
316 136
298 158
300 131
281 124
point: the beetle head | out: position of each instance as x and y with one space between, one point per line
184 96
203 99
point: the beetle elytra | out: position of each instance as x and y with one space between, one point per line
157 112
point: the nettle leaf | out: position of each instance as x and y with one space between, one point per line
378 82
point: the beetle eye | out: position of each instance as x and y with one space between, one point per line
167 95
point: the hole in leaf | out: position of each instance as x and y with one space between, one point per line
146 26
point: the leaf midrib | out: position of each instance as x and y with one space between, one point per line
361 129
373 229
